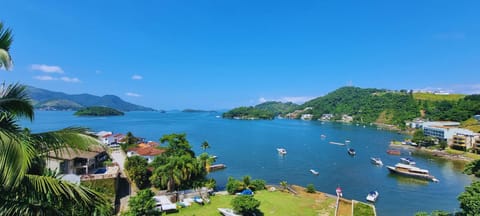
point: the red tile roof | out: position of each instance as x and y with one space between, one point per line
148 151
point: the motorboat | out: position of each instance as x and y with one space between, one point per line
376 161
411 171
351 151
372 196
282 151
228 212
314 172
408 161
339 191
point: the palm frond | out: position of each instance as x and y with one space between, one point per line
15 100
16 155
5 60
74 137
45 195
6 39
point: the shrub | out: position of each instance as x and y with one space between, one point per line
310 188
245 204
258 184
233 185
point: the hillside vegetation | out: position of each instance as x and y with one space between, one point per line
267 110
370 105
50 100
98 111
437 97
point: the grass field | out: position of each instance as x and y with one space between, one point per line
434 97
272 203
466 154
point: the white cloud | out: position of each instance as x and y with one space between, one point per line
137 77
45 78
297 100
47 68
130 94
70 79
455 88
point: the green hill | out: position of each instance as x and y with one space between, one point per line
370 105
278 108
267 110
98 111
50 100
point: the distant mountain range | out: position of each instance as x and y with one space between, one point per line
50 100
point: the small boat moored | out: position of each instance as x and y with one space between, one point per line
408 161
372 196
351 151
282 151
314 172
376 161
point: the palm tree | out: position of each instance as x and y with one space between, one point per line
5 42
205 145
284 185
25 192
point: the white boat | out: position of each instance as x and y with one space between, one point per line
376 161
411 171
351 151
314 172
347 141
408 161
323 136
282 151
228 212
372 196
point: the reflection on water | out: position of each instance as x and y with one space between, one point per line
403 180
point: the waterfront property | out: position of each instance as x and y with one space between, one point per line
147 150
75 161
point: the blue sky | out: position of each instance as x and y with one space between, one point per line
221 54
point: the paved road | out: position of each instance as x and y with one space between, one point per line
119 157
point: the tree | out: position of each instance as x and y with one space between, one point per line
418 136
284 185
470 199
245 205
233 185
6 40
205 145
310 188
25 191
472 168
142 204
136 167
177 145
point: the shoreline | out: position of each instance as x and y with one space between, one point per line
434 152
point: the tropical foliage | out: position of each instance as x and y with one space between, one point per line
142 204
136 167
473 168
278 108
233 185
470 199
246 205
310 188
26 189
98 111
6 40
249 113
178 168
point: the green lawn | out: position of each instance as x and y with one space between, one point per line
466 154
272 203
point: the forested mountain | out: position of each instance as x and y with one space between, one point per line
267 110
49 100
370 105
278 108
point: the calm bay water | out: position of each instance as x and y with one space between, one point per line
249 148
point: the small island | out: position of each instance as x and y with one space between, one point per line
98 111
250 113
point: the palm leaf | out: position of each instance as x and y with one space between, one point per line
14 99
6 40
5 59
16 154
74 137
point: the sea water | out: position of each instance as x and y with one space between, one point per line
248 147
